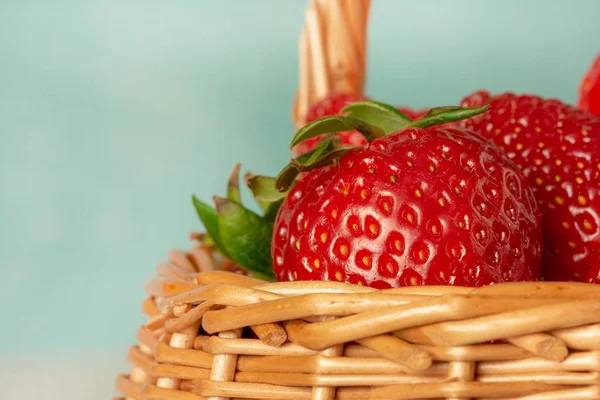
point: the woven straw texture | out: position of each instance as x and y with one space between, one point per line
214 334
332 52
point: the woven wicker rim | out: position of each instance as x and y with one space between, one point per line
331 340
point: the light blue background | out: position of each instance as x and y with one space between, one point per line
112 113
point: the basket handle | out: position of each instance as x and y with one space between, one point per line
332 49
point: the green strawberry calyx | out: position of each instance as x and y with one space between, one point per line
370 118
239 233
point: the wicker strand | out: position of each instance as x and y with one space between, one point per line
140 357
224 365
169 270
146 337
542 345
149 307
181 259
580 338
172 355
180 340
509 324
202 259
461 371
399 351
271 334
130 389
457 389
190 318
327 392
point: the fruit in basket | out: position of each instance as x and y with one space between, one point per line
558 149
419 204
589 89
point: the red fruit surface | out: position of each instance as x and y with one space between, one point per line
332 105
594 275
421 206
589 89
558 149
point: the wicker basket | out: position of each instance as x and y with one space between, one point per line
217 334
331 340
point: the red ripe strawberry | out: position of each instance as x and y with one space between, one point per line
332 105
419 206
589 90
558 149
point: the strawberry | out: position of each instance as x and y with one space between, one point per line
417 205
558 149
589 90
332 105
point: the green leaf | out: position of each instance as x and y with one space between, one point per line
263 189
439 110
262 203
233 185
325 153
286 177
443 115
210 220
323 147
384 116
334 124
246 236
325 158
